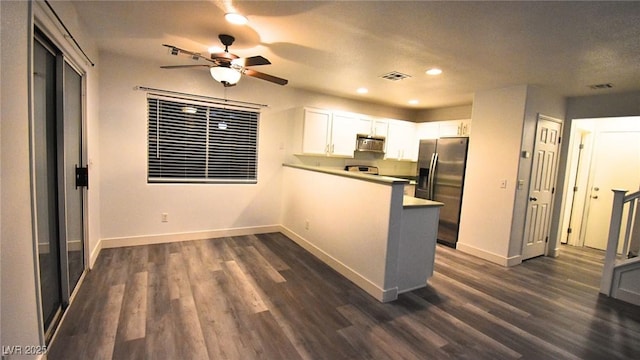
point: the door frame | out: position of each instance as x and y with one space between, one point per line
577 175
63 55
594 125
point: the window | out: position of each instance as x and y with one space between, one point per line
194 141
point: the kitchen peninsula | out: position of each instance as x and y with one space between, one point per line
363 226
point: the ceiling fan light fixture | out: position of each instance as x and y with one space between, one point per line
225 75
434 71
236 18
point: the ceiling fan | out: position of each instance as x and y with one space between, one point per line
225 67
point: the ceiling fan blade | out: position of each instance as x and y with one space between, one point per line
183 66
255 61
194 55
267 77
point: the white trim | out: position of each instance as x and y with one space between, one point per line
489 256
184 236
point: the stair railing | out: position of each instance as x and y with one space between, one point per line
631 239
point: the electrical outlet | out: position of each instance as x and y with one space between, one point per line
306 224
164 217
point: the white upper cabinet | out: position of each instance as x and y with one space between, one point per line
344 129
455 127
331 133
372 126
316 130
402 143
437 129
379 127
428 130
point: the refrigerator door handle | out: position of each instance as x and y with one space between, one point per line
432 174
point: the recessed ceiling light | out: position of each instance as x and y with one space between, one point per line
434 71
414 102
235 18
362 90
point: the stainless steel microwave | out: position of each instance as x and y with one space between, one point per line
369 143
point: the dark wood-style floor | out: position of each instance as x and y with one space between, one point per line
264 297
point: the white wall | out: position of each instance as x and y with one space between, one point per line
504 122
19 302
346 232
544 102
494 150
446 113
130 208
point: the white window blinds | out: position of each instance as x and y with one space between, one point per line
194 141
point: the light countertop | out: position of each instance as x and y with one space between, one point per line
410 201
374 178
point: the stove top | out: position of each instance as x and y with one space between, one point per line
363 169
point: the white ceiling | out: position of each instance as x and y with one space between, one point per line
336 47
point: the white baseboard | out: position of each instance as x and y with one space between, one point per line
186 236
94 254
489 256
362 282
554 252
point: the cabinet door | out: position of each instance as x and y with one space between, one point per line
401 141
344 129
428 130
380 127
454 128
315 137
465 127
449 128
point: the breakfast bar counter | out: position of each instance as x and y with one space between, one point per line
363 226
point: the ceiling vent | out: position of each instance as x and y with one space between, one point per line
395 76
601 86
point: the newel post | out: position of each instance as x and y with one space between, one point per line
612 242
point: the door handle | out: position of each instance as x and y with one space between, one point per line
533 199
82 176
594 197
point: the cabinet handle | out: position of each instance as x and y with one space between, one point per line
332 147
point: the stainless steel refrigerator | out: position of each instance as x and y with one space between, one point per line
441 167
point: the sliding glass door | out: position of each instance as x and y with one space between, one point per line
46 171
59 185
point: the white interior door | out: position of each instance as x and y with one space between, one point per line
541 188
580 178
615 165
